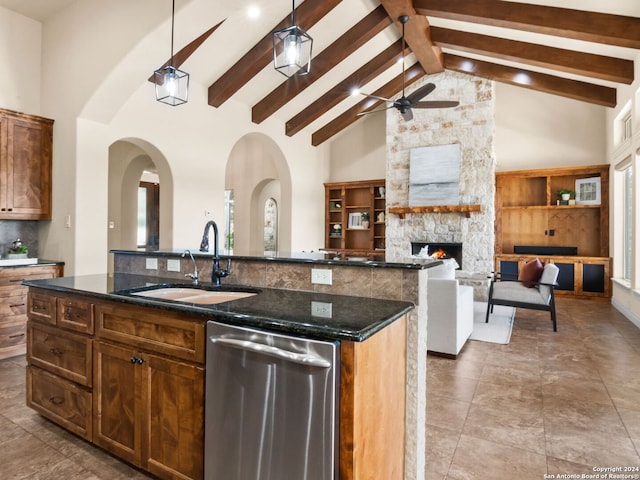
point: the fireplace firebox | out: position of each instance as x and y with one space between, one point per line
439 250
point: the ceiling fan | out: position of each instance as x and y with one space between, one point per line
405 103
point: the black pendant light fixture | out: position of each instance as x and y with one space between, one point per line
172 84
292 49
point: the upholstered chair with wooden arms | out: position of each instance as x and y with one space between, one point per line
536 295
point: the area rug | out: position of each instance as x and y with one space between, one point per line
498 330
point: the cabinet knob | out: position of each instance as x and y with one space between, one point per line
137 360
56 400
55 351
134 360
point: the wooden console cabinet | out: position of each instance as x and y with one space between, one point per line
345 199
528 214
26 143
13 305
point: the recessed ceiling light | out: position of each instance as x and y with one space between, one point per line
355 91
253 11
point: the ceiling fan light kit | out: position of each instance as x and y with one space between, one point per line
292 49
172 84
405 103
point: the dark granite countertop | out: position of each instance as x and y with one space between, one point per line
284 311
320 258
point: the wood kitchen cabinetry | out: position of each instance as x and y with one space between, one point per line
25 166
131 380
344 233
527 215
13 305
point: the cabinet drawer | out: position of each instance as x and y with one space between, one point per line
41 307
64 402
75 315
13 334
13 303
66 354
158 330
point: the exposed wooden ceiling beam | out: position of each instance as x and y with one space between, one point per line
416 34
342 90
571 61
585 92
596 27
307 14
181 56
345 119
354 38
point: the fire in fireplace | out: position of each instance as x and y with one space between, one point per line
440 251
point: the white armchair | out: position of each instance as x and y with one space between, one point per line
449 311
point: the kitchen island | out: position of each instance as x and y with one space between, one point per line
126 372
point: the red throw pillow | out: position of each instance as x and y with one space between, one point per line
531 272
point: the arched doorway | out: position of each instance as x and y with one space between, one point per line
257 171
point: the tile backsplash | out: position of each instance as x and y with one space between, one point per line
25 230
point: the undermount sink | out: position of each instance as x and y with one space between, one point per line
194 295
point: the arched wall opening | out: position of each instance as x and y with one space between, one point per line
257 170
128 159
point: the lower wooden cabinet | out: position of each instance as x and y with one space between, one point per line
149 410
66 403
13 305
588 277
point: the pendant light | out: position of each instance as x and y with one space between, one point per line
172 84
292 49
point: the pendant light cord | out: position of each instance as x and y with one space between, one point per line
173 13
403 47
293 12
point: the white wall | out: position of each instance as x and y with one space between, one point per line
20 39
538 130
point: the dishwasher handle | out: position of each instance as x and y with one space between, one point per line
301 358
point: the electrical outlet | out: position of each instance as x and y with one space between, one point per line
152 263
321 276
173 265
321 309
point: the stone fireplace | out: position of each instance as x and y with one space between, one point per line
471 125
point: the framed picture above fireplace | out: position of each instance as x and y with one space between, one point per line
588 191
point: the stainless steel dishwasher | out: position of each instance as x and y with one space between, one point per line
271 406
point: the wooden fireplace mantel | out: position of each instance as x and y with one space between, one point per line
467 210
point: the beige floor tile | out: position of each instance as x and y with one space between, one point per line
572 388
527 398
509 376
624 396
441 445
631 421
446 412
515 428
451 386
478 459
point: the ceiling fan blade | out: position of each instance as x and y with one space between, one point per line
378 98
407 115
374 111
436 104
421 92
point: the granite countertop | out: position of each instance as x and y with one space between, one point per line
284 311
319 258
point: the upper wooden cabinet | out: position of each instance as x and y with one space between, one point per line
25 166
345 232
527 213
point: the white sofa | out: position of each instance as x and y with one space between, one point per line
449 311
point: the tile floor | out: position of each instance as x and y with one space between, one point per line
547 403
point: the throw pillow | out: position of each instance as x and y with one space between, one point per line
531 272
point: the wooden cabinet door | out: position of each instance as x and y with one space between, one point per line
174 436
27 191
116 406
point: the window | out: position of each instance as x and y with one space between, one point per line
628 222
228 220
626 127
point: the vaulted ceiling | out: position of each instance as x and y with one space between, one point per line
580 54
441 47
